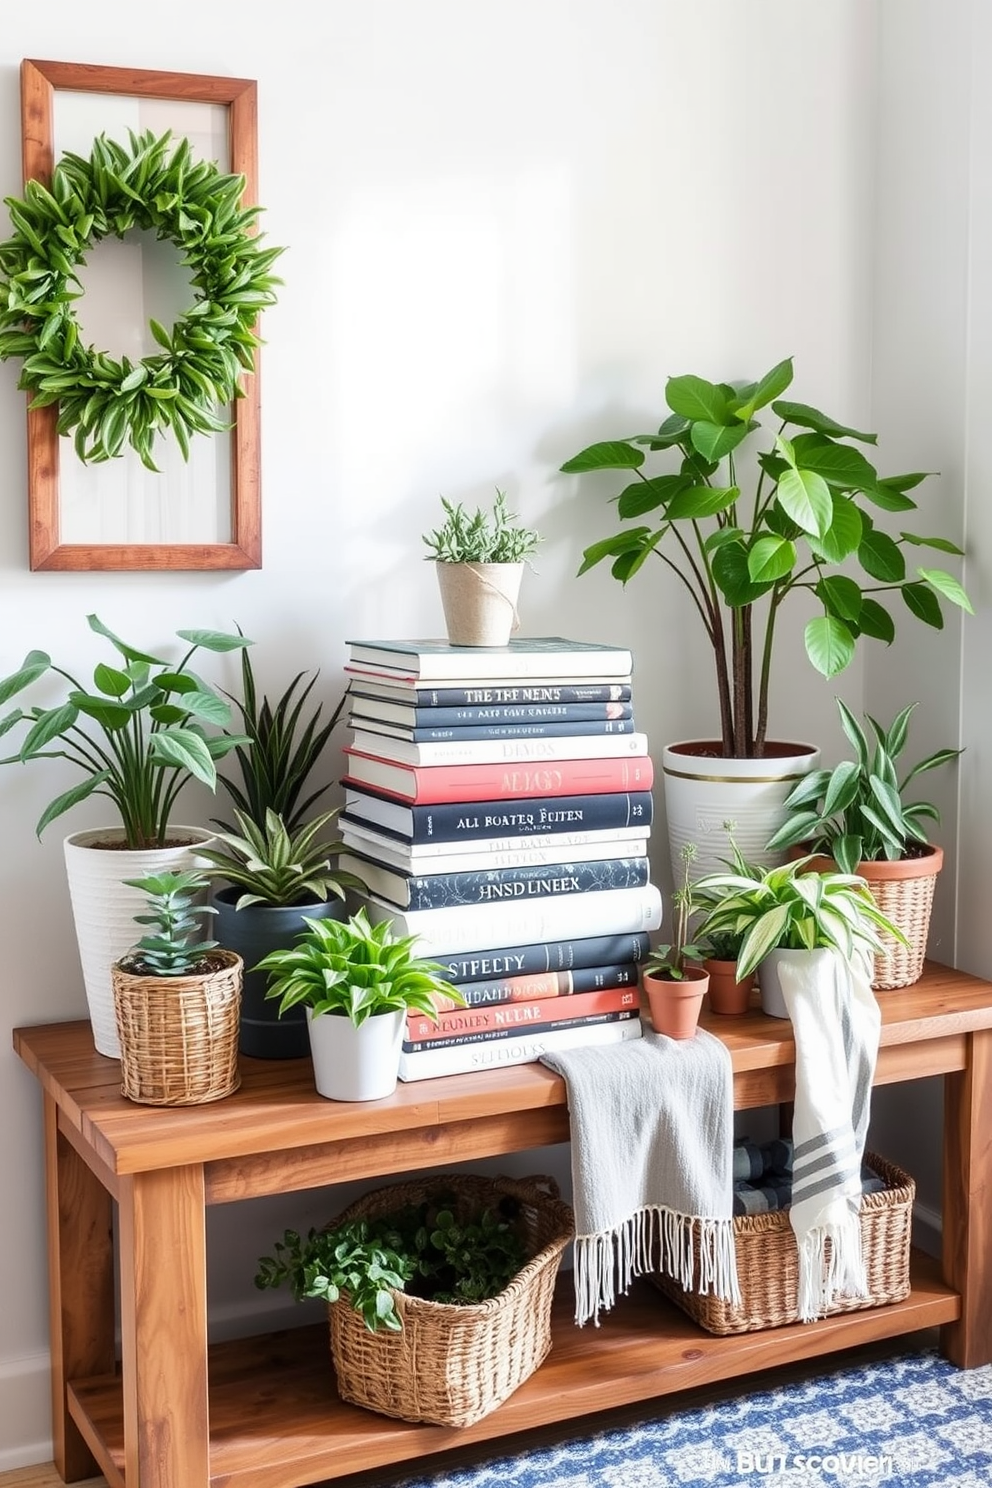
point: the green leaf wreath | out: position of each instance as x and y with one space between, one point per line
150 186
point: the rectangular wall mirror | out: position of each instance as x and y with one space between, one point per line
204 513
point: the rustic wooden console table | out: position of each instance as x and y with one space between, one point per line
262 1413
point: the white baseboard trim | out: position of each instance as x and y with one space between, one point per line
25 1411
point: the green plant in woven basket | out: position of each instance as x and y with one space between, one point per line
429 1249
275 866
856 813
175 949
481 537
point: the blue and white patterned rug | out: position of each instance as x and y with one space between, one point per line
913 1422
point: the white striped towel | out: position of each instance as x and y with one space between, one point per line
836 1019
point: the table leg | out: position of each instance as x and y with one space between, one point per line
967 1216
81 1287
164 1329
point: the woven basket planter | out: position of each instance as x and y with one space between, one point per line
768 1262
179 1035
452 1364
904 893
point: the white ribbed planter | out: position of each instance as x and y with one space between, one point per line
103 909
480 601
355 1064
702 791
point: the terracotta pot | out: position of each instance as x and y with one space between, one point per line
726 994
904 893
675 1005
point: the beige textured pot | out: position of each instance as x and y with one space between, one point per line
480 601
103 908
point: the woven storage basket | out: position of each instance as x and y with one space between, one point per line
452 1364
768 1262
904 893
179 1035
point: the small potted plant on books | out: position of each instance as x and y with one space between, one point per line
357 982
177 999
856 817
673 978
480 560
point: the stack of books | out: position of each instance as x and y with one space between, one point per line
498 806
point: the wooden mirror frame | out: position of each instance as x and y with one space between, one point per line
39 80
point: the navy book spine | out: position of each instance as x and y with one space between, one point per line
544 956
456 1040
492 886
429 735
463 821
565 984
470 717
517 693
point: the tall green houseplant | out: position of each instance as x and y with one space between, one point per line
739 524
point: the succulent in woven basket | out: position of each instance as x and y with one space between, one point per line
175 949
428 1249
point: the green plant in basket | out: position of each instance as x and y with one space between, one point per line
174 909
856 812
426 1249
480 537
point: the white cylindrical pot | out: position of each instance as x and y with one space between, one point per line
480 601
355 1064
703 792
770 983
103 908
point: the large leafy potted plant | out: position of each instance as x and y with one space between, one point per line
176 1000
273 879
741 545
479 558
857 817
788 909
357 982
141 731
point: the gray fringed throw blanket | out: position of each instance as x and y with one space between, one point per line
651 1125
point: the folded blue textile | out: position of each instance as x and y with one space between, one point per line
763 1177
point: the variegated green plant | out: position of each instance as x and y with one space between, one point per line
154 186
800 523
789 908
855 813
138 735
275 866
356 969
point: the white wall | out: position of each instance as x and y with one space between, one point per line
508 222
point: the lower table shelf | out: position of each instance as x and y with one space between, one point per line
276 1421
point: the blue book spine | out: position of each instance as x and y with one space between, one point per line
517 693
463 821
545 956
427 735
448 717
493 886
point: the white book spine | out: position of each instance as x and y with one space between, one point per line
496 751
523 856
475 927
527 1049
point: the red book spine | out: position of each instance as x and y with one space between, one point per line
430 785
518 1017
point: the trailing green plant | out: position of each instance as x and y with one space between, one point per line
285 746
275 866
855 813
429 1250
803 519
148 185
481 537
174 909
356 969
789 907
137 737
669 961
